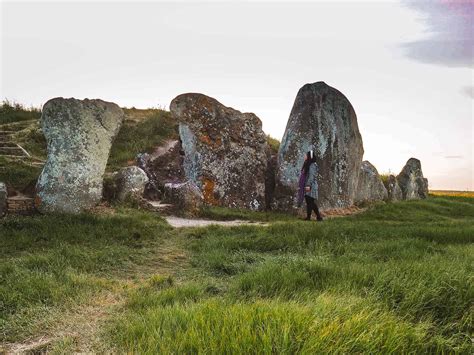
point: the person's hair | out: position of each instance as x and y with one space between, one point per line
308 161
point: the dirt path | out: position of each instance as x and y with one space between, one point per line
178 222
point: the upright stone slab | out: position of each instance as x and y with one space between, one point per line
370 187
412 183
79 135
224 151
322 119
393 189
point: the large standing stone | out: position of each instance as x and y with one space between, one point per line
3 199
79 134
412 183
322 119
370 187
224 151
130 182
393 189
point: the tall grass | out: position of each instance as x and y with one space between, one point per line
14 112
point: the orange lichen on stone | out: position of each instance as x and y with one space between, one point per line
210 142
208 191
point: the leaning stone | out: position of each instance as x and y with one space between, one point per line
3 199
412 183
324 120
224 151
79 135
370 187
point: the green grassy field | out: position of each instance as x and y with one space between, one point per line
396 278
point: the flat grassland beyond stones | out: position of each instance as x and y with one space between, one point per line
396 278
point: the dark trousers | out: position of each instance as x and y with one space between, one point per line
310 207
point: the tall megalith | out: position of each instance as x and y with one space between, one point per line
324 120
79 135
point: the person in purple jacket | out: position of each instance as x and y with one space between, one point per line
308 186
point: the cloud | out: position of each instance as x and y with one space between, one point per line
469 91
453 157
450 26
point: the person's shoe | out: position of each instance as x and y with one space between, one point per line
319 219
307 219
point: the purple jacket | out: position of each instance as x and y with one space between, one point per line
301 185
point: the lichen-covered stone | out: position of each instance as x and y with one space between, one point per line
3 199
130 182
324 120
79 135
370 187
224 151
185 197
412 183
393 189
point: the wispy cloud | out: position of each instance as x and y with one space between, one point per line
450 26
453 157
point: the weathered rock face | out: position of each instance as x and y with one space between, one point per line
224 151
412 183
3 199
184 196
393 189
130 182
322 119
79 134
370 187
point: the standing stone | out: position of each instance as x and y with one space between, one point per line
224 151
393 189
79 134
3 199
130 182
324 120
412 183
370 187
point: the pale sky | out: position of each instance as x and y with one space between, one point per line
406 66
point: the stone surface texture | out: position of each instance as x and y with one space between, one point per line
412 183
184 196
393 189
370 187
324 120
130 182
79 135
225 151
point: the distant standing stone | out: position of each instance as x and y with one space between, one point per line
225 151
412 183
79 135
130 182
393 189
370 187
324 120
184 196
3 199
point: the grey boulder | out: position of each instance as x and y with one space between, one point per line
130 182
184 196
411 181
324 120
370 187
393 189
79 135
3 199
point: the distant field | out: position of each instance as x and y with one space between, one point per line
452 193
394 279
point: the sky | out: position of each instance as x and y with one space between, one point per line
406 66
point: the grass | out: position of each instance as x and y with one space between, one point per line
141 132
394 279
14 112
19 174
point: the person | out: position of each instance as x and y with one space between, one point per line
308 186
